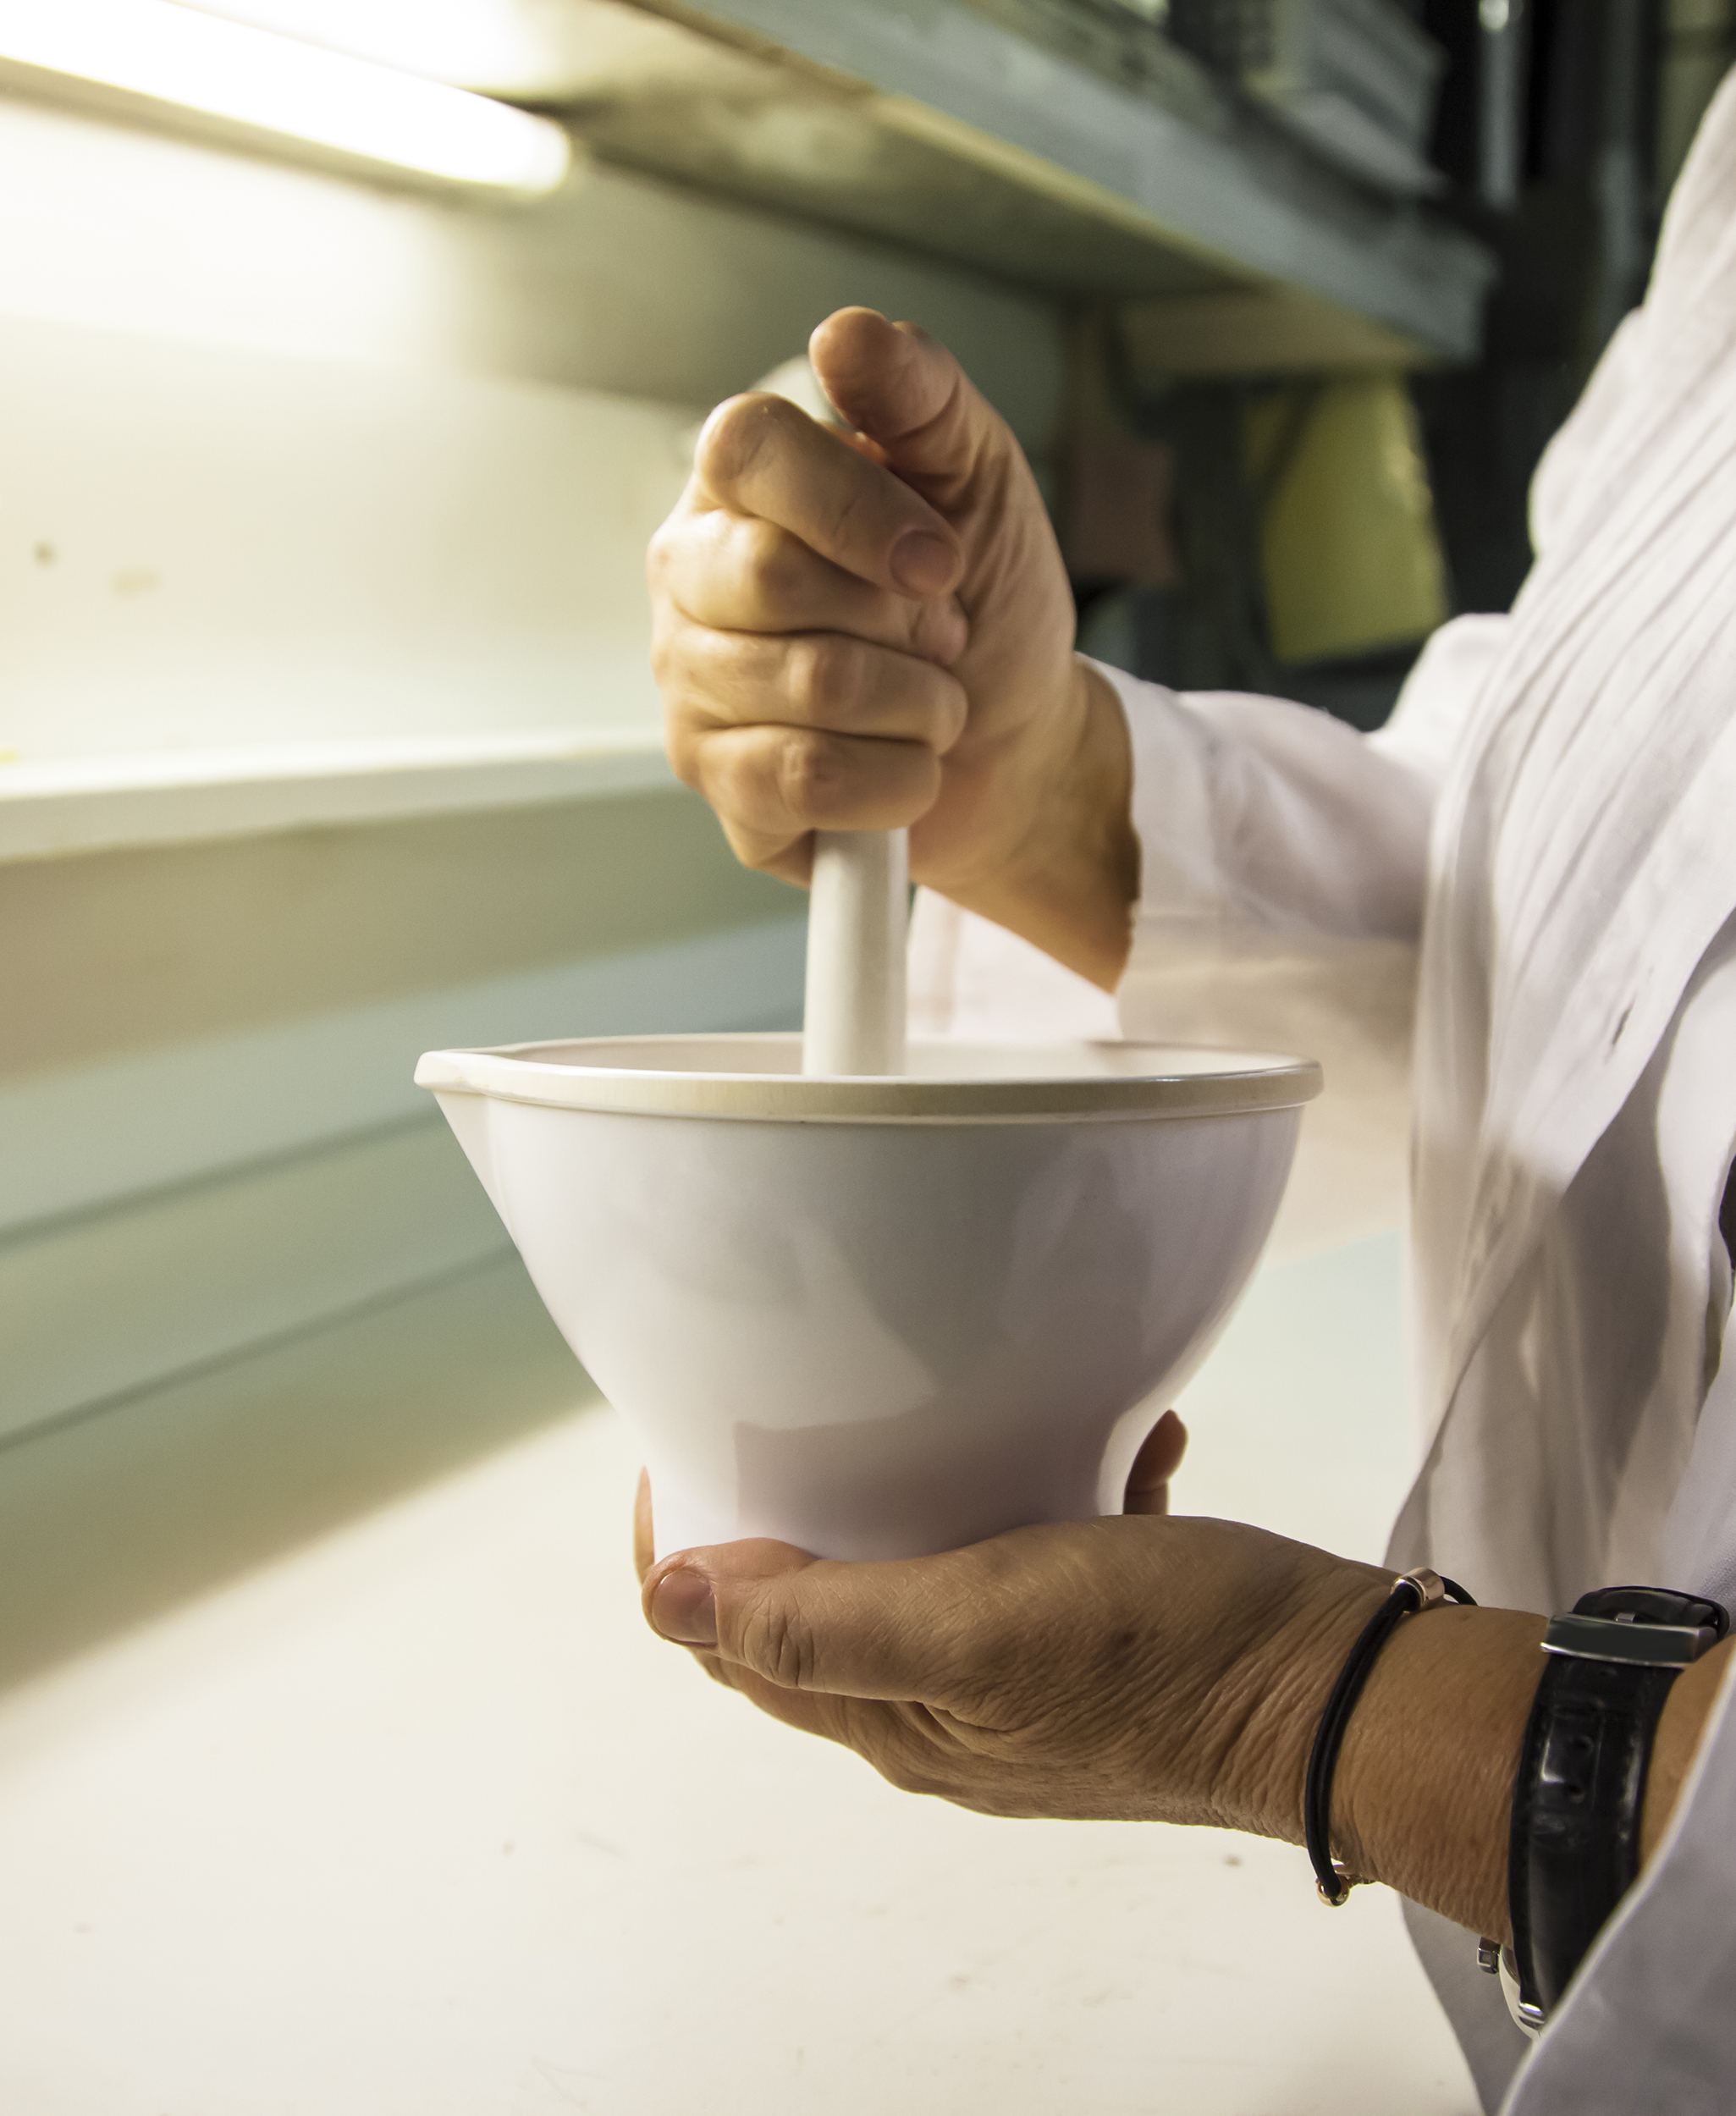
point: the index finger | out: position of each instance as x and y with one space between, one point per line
762 455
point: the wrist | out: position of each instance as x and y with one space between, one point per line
1422 1793
1290 1676
1423 1799
1069 881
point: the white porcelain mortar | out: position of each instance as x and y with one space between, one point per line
877 1317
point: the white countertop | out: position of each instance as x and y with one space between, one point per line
416 1819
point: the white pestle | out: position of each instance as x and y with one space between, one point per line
857 911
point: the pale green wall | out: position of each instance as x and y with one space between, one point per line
208 1135
119 952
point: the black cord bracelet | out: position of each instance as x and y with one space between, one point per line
1411 1592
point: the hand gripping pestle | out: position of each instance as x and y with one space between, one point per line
858 910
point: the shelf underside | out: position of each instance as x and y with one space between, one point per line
939 126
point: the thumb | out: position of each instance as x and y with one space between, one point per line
1158 1459
903 390
807 1623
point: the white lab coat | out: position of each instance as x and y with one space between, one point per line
1532 871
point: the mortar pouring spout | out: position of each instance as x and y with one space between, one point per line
468 1116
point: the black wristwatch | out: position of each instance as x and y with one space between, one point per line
1574 1848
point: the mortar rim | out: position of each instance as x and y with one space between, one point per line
1258 1082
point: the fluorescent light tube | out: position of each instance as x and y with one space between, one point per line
169 54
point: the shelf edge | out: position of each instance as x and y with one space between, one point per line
53 807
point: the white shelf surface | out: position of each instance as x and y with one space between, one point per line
85 804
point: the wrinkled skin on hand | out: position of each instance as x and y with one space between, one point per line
1134 1667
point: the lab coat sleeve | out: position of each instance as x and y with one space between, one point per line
1284 857
1283 861
1260 816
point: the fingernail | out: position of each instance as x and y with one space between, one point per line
681 1608
922 564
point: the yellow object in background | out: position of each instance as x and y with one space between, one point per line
1351 556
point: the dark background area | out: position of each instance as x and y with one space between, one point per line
1559 130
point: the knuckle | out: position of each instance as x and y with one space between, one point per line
755 854
736 436
779 1646
773 565
682 747
811 774
666 656
824 676
677 552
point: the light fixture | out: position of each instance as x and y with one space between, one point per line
159 52
499 48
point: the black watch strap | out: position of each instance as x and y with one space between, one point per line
1574 1849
